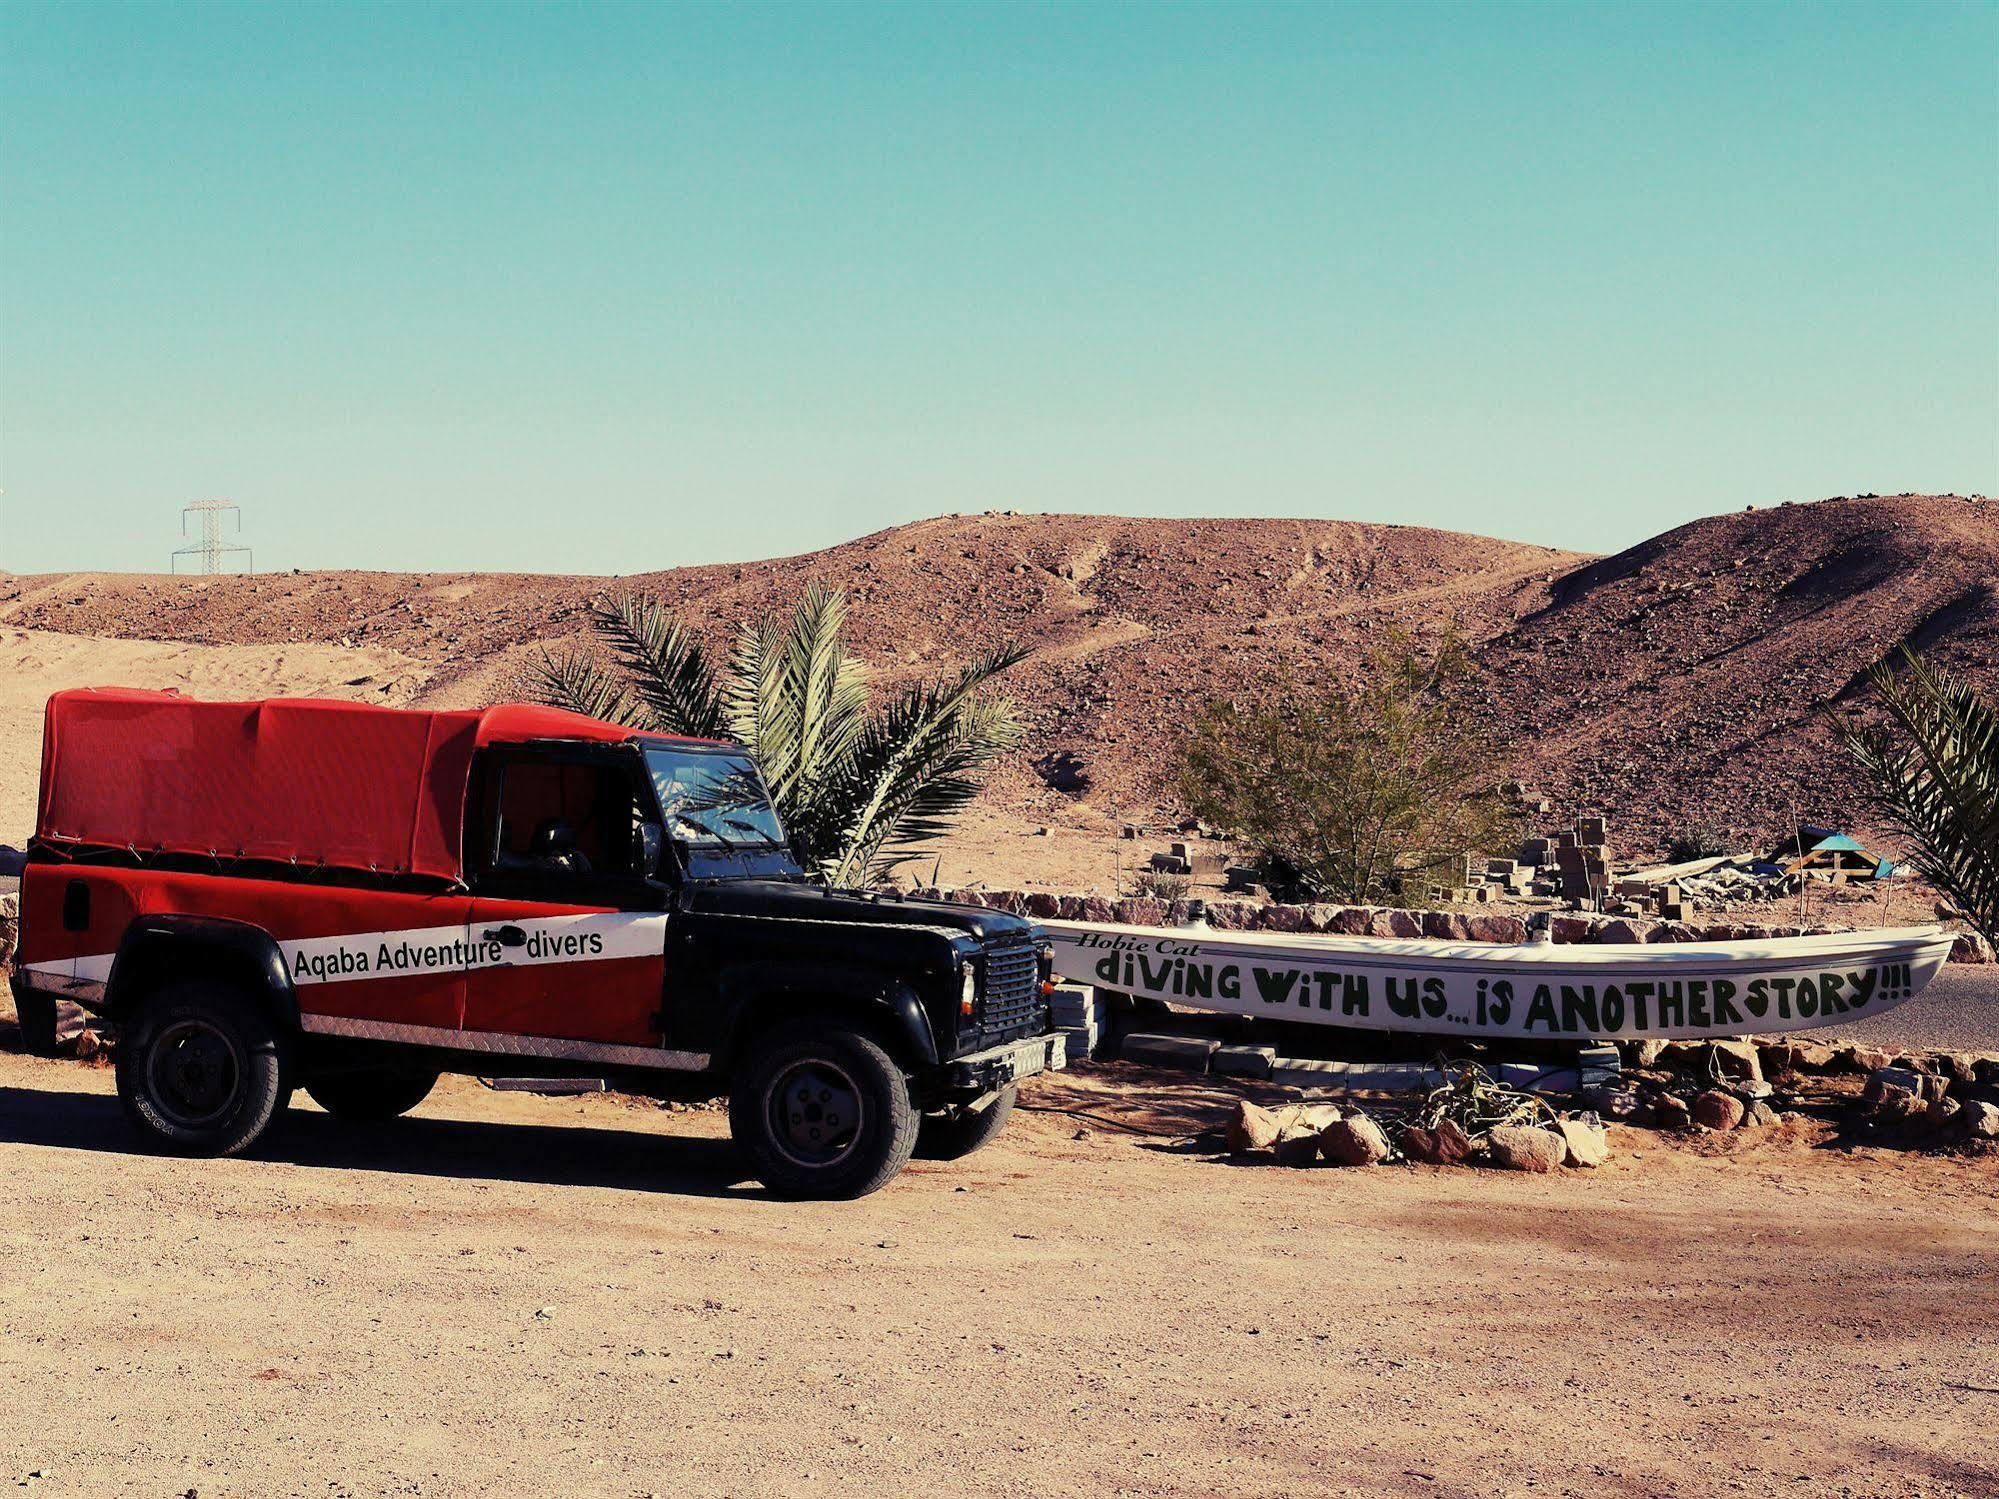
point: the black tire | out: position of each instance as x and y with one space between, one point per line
201 1069
370 1093
822 1112
945 1138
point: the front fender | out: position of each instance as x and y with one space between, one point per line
754 995
161 949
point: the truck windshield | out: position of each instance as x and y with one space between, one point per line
713 800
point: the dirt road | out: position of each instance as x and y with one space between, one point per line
506 1294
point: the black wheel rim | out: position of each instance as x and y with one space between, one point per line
815 1112
194 1073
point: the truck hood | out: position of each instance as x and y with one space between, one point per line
789 901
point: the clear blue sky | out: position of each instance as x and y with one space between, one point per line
607 288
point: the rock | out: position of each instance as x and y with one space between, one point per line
1483 928
1252 1128
1718 1110
1297 1146
1354 1141
1420 1144
1444 926
1446 1145
1733 1059
1309 1116
1958 1066
1987 1071
1526 1148
1884 1080
1283 918
1980 1121
1453 1143
1777 1056
1867 1058
1621 931
1941 1111
1749 1090
1814 1056
1140 911
1587 1144
1898 1103
1646 1053
1970 947
1232 915
1613 1102
1670 1112
1759 1116
1395 922
1571 929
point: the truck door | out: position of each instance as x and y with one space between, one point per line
568 932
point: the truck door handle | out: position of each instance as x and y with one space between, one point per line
506 936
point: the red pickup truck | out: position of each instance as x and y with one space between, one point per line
354 899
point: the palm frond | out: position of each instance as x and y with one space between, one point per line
751 698
575 682
1938 780
666 666
916 763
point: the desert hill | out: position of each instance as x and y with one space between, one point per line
1681 680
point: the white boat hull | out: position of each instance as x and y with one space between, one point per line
1541 991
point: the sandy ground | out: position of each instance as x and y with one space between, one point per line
505 1294
35 663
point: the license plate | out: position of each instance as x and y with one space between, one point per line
1029 1060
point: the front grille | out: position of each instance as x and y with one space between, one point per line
1011 998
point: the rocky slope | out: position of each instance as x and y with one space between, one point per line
1681 680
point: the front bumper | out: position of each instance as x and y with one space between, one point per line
1009 1062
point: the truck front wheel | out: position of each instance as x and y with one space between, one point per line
201 1070
823 1112
951 1137
370 1093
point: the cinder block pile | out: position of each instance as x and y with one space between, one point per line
1081 1017
1582 858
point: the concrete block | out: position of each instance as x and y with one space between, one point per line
1244 1061
1600 1063
1082 1044
1353 1077
1193 1052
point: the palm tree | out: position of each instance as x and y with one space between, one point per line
859 788
1938 780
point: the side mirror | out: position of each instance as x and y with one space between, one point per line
650 844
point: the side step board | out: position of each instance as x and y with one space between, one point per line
553 1086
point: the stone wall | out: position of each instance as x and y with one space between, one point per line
1391 921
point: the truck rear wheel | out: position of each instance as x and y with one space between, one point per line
947 1137
823 1112
201 1070
370 1093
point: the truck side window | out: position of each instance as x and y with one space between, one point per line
559 817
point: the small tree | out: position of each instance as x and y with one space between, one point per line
1938 780
1356 793
860 788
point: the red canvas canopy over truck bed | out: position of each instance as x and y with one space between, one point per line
356 898
300 781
